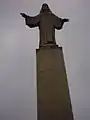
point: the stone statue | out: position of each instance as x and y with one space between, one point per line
47 23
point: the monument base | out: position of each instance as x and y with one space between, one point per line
53 100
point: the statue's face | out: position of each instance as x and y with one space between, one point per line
45 7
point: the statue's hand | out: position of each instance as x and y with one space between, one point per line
65 20
23 15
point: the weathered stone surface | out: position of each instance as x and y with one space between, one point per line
53 100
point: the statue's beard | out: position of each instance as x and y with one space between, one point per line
45 10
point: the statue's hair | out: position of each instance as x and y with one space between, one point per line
44 8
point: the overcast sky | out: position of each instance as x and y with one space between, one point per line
18 60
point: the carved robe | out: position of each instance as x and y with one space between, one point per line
47 23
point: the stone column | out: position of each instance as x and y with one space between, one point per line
53 99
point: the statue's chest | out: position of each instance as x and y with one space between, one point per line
46 20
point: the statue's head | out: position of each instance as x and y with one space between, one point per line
45 8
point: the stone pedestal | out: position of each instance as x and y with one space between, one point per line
53 100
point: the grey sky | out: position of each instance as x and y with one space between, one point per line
17 56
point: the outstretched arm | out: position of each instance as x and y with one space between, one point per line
65 20
23 15
59 22
31 21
